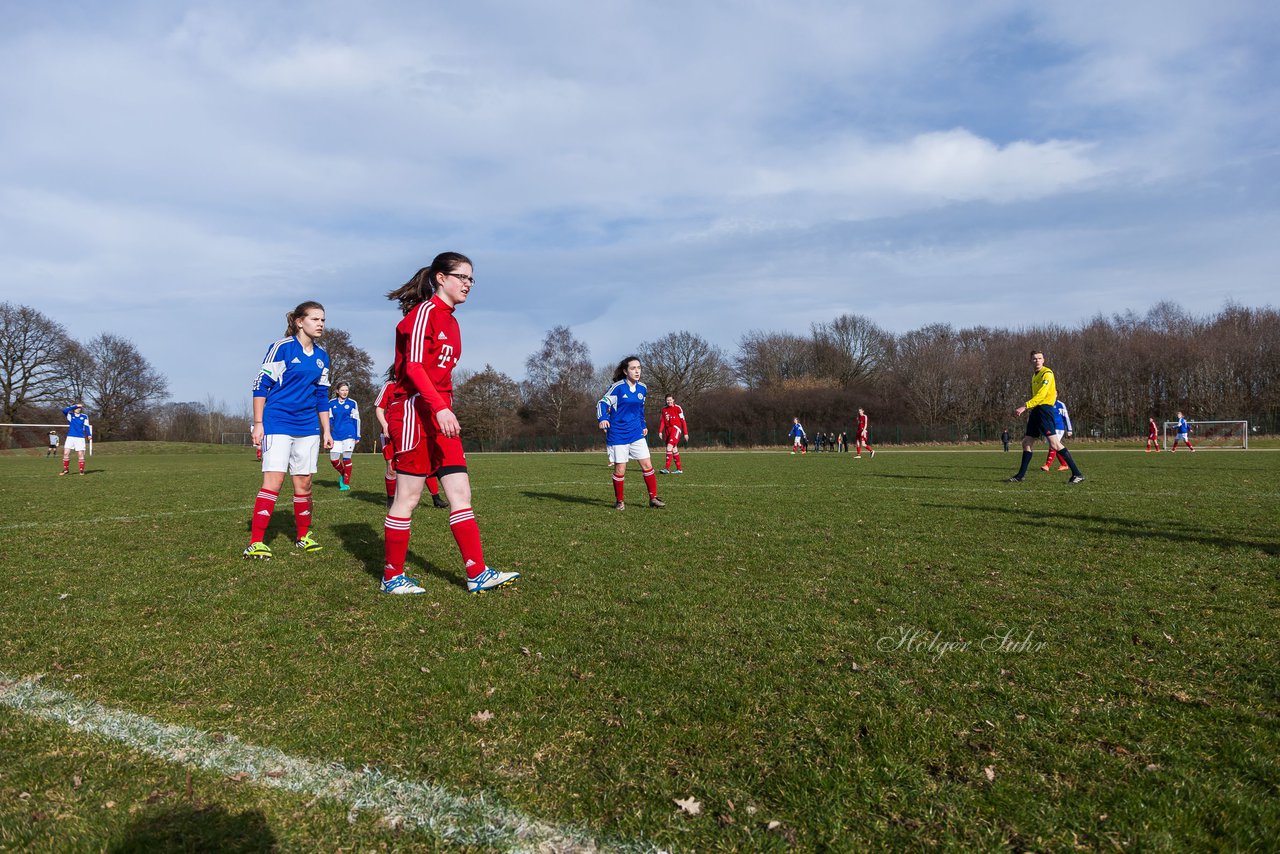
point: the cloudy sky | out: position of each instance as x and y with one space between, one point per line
182 173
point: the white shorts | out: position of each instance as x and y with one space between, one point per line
294 454
796 442
637 450
73 443
341 447
1058 434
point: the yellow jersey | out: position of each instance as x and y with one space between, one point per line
1044 391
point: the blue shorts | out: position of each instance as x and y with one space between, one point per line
1040 421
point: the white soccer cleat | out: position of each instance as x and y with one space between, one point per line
490 579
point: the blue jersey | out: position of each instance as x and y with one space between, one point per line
1183 429
1061 418
296 386
344 419
797 432
78 426
623 407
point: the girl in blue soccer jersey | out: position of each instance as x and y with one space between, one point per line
291 423
78 431
344 423
620 413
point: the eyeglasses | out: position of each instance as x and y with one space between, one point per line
467 279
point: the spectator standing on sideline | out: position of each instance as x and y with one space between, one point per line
1004 439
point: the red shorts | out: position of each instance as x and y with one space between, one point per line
420 448
388 451
673 437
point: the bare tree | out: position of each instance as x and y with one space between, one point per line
773 359
559 380
848 349
684 365
486 404
30 347
121 386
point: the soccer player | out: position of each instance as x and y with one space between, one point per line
798 438
423 427
860 437
1039 409
344 423
1061 426
291 423
53 443
78 429
1153 438
620 414
385 397
673 428
1183 435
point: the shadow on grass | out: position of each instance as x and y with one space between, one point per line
364 542
1176 532
191 827
567 499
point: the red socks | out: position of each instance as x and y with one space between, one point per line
668 465
1053 455
433 485
337 464
391 485
302 513
618 483
462 523
346 472
650 483
397 546
262 507
676 457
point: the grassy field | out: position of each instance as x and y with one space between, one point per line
812 652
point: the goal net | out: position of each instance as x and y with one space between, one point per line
32 437
1210 434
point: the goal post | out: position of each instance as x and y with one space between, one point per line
1211 434
19 435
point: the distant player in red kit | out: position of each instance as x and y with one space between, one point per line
423 427
860 437
385 397
673 427
1152 439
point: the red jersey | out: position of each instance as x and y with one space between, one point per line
673 417
862 424
428 346
1151 428
389 394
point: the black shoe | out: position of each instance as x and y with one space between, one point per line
657 502
437 501
1015 479
1076 478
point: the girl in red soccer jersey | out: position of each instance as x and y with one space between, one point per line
385 396
423 428
861 436
673 428
1153 439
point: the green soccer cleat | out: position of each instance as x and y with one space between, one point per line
257 550
308 544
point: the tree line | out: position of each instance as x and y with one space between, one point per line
936 382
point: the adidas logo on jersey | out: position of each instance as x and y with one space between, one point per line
442 336
295 361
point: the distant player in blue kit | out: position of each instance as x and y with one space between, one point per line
344 423
620 413
291 423
1183 435
78 430
1061 427
797 438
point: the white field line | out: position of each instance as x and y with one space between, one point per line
473 820
985 487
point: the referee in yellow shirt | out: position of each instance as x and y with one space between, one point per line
1039 409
